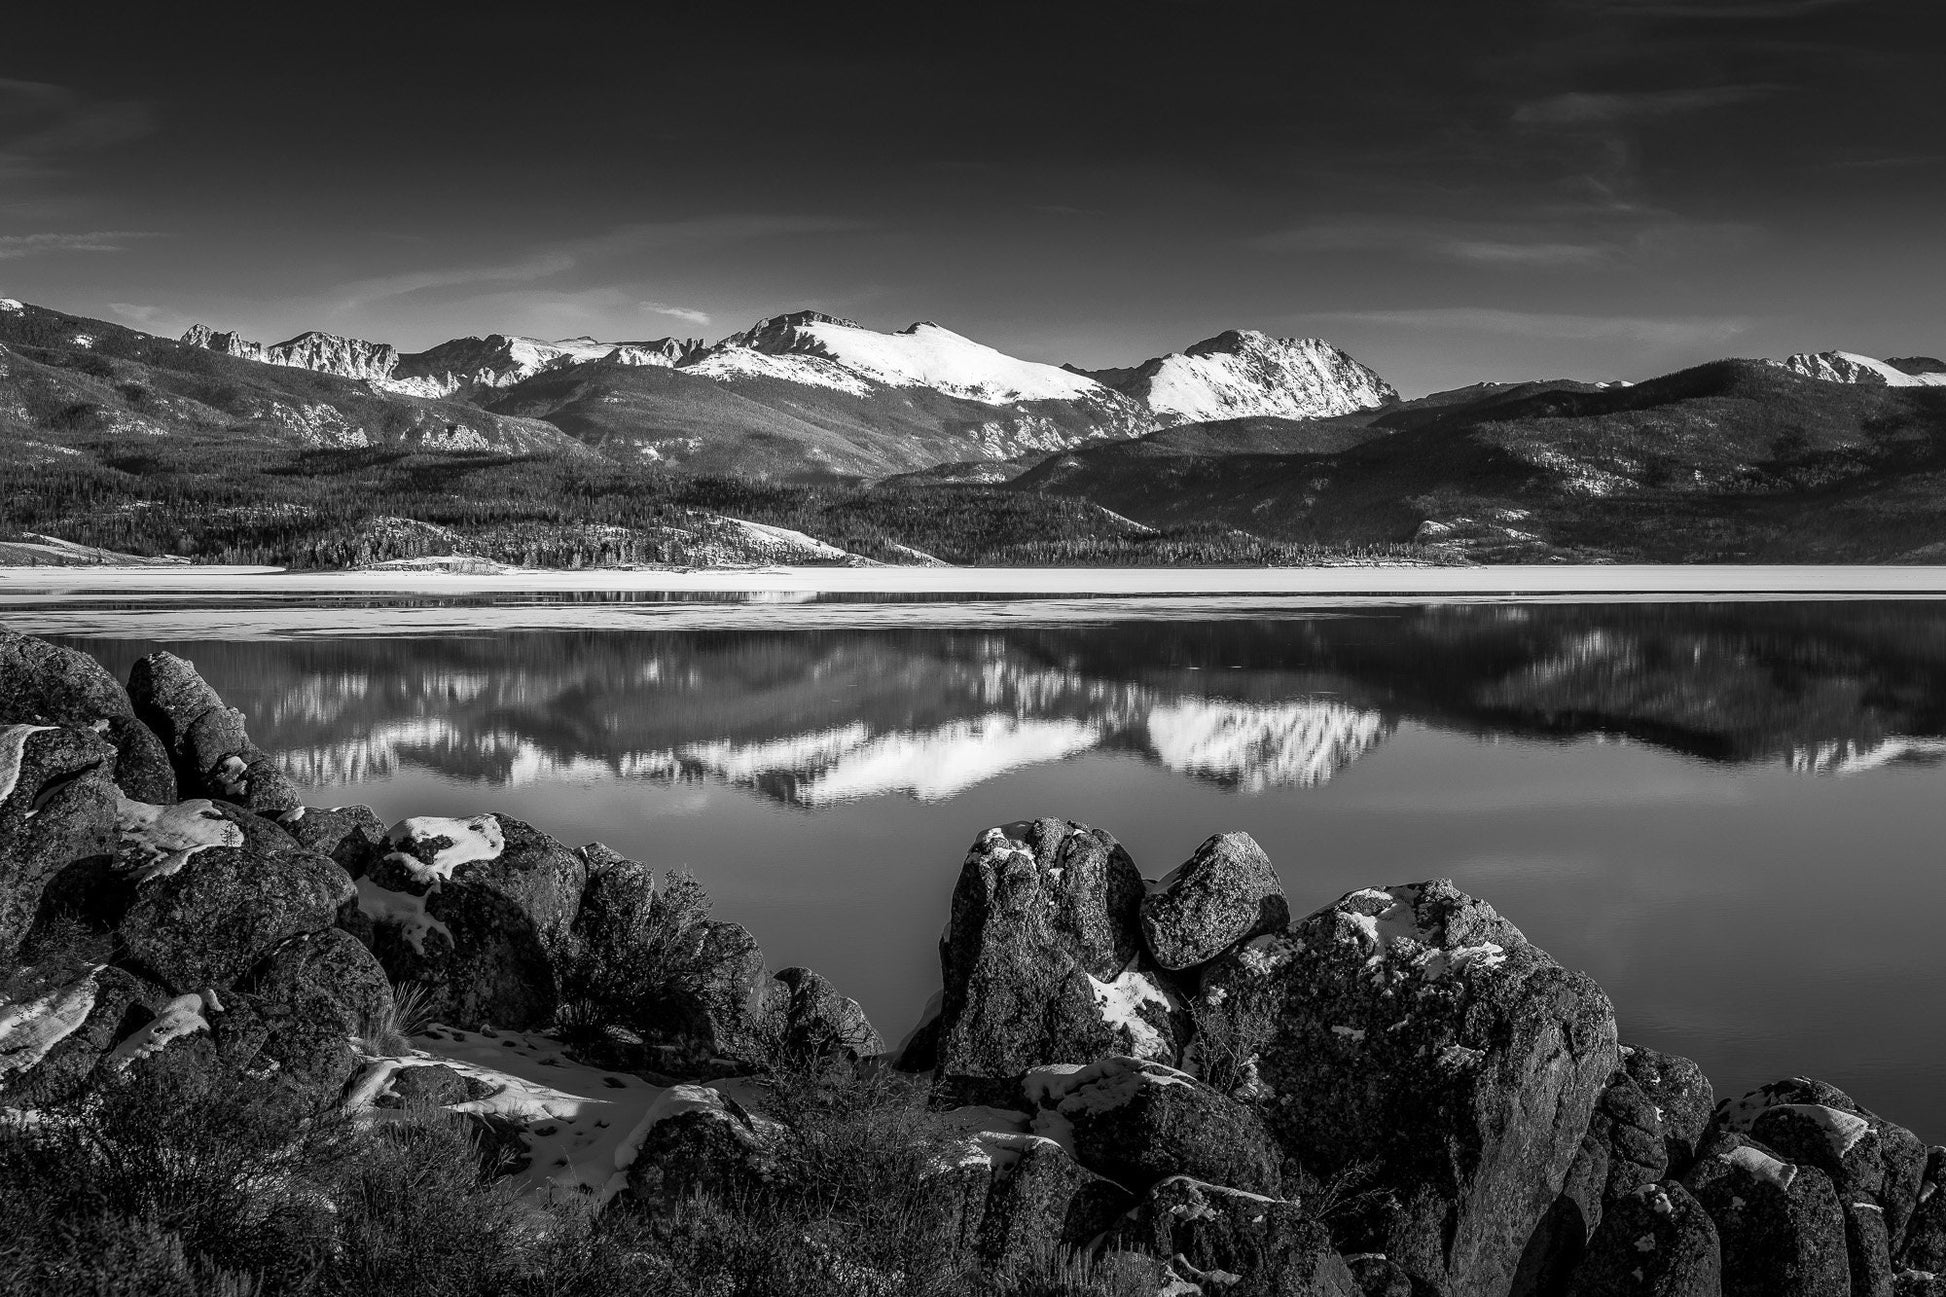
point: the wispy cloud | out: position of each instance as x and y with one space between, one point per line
160 320
678 312
1590 109
546 261
1588 237
31 245
1663 331
1747 10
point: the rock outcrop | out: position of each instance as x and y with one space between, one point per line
1042 959
472 910
1227 892
216 895
206 740
43 684
57 812
1414 1031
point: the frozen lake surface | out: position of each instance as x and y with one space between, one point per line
1729 811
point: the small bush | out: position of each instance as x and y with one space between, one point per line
640 968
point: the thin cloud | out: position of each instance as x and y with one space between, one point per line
1716 9
13 246
1662 331
678 312
1588 237
548 260
1582 109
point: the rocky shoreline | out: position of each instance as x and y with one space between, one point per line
1171 1081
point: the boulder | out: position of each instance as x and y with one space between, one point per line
729 1007
1138 1122
617 900
1923 1245
350 835
431 1086
1814 1124
315 994
817 1019
1868 1249
1228 891
43 684
57 808
1413 1035
1379 1275
1041 958
694 1139
217 889
1041 1197
1681 1095
1240 1244
473 909
1645 1129
1780 1226
1654 1241
206 740
53 1031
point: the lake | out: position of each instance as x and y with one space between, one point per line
1730 812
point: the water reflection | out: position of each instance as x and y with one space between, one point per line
1741 907
813 718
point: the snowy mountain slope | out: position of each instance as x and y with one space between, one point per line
921 355
1243 373
462 365
1849 367
321 353
468 365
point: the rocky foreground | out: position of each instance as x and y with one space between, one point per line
1398 1094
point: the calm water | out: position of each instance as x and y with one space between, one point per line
1732 814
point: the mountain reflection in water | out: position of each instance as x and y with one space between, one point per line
1646 789
816 717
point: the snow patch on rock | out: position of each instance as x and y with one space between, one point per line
30 1029
182 1016
1121 1002
479 838
13 749
161 839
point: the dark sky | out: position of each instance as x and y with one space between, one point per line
1454 191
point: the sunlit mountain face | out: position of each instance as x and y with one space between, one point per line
817 718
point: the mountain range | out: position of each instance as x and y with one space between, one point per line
810 393
922 443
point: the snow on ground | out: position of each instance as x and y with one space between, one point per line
786 543
926 355
1509 581
39 550
582 1125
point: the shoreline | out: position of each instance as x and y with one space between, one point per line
1342 582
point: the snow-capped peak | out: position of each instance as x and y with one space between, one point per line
921 355
1850 367
1242 373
